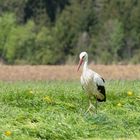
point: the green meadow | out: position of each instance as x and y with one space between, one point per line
55 110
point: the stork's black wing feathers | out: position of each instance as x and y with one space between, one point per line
103 79
101 89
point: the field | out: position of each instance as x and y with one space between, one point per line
35 108
67 72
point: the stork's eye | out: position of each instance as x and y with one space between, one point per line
83 56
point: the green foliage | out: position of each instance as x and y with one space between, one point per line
54 32
20 43
14 6
56 110
46 52
110 41
7 22
72 26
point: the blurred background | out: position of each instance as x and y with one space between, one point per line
56 31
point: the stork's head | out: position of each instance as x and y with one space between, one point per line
83 58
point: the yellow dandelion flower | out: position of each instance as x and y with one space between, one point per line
48 99
119 104
129 93
30 91
8 133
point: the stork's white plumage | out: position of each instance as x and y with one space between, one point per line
92 82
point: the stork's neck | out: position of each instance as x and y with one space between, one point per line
85 66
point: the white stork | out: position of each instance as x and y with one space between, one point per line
92 82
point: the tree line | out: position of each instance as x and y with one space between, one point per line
56 31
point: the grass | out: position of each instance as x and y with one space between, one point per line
56 111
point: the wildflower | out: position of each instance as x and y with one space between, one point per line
8 133
129 93
48 99
31 92
119 104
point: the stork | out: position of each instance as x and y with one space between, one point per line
92 82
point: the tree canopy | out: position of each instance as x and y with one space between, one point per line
56 31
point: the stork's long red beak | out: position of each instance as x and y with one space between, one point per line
80 63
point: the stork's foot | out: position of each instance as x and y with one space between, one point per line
91 108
